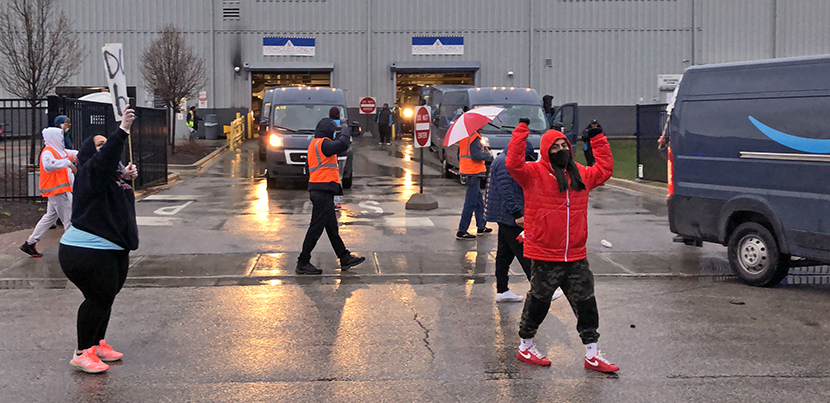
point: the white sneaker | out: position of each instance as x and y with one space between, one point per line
556 294
508 296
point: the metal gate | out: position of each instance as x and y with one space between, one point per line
21 144
650 121
22 141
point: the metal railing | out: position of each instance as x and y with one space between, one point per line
237 133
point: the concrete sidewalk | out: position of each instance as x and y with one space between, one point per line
676 340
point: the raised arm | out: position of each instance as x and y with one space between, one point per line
601 171
516 164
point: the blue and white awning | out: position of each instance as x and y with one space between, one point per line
283 46
437 45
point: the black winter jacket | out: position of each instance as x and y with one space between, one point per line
103 204
325 129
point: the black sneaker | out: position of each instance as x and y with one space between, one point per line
350 261
307 268
30 250
484 230
464 236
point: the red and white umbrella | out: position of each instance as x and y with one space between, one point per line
469 122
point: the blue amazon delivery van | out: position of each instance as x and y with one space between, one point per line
750 163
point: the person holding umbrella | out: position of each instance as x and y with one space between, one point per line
472 166
95 252
556 227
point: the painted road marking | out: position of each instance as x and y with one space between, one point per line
408 222
157 221
370 205
171 198
172 210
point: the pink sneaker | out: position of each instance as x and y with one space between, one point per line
88 362
105 352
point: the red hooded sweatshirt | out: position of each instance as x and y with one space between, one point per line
556 223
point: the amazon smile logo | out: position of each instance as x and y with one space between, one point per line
815 146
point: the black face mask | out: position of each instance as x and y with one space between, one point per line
560 158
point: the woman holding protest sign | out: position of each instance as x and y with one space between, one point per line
94 253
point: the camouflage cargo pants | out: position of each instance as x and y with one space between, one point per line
576 281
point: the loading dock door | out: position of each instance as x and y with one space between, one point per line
261 80
412 88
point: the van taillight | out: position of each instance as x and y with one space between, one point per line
670 169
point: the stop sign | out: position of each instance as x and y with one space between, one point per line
421 127
367 105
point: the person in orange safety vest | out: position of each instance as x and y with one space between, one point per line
472 166
323 185
57 172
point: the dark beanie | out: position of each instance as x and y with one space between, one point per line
334 113
60 119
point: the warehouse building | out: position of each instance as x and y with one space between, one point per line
607 55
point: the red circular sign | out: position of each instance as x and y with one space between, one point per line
368 105
422 126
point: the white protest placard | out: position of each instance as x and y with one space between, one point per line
116 79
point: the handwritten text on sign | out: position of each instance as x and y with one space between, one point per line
116 79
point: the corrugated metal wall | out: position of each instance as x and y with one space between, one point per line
602 52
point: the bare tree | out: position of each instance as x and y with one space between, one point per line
172 71
40 50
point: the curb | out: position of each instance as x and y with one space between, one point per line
639 187
200 163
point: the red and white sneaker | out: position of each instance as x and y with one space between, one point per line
599 363
532 356
105 352
88 362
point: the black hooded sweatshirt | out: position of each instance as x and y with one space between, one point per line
103 204
325 129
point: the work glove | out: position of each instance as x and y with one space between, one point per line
594 132
525 121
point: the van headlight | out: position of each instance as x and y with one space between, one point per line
408 113
275 140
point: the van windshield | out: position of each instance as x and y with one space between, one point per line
297 118
509 118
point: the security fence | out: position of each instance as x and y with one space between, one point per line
650 121
22 142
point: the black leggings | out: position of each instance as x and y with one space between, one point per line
99 274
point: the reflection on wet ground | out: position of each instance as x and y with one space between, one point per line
224 226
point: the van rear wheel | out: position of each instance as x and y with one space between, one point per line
755 257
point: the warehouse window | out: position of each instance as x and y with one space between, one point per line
230 10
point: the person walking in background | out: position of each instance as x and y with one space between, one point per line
193 119
385 120
556 227
547 107
65 124
396 117
472 166
57 174
323 185
334 114
95 253
586 142
504 204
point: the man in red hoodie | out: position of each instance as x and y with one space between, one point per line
556 227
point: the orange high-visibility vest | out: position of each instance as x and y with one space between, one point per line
55 182
467 165
321 169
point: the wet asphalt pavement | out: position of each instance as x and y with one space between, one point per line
417 321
